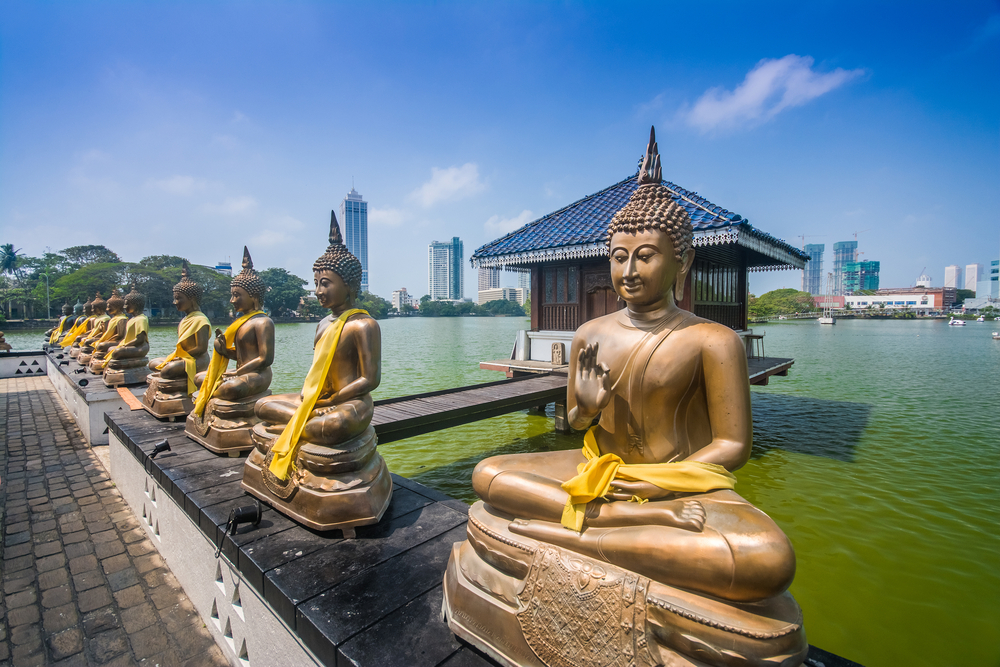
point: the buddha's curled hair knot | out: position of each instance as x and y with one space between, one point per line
339 259
652 206
135 300
249 279
88 308
98 302
188 287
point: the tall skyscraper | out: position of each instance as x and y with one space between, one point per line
858 276
973 274
354 214
488 278
445 269
812 275
953 276
844 252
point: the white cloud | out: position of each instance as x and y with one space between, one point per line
504 225
177 185
390 217
772 86
275 232
449 184
232 206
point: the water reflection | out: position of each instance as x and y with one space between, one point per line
806 425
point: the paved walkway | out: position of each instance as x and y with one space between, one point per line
82 585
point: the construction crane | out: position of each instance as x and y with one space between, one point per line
808 236
856 241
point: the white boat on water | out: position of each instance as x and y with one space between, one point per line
827 314
996 335
956 323
980 319
827 320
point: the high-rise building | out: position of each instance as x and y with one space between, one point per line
488 278
973 274
953 276
445 269
354 213
859 276
524 281
844 252
401 298
812 275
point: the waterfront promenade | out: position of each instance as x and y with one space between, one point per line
82 585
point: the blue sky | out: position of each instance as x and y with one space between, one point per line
194 128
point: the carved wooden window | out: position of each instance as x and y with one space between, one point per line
561 284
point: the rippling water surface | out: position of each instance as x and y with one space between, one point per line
879 455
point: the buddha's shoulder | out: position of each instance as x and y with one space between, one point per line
709 333
362 323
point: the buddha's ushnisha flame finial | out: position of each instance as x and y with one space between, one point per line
650 171
335 237
249 279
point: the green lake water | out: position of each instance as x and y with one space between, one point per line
879 455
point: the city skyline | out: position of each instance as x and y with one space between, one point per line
828 125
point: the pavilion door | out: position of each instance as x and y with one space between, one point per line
601 301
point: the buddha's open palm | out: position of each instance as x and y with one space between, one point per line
593 381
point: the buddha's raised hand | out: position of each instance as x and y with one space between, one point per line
593 382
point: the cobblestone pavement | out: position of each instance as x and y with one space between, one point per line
82 584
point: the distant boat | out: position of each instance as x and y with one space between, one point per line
981 319
827 315
782 317
956 323
996 335
826 320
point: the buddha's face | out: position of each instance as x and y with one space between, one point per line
132 308
182 302
331 290
644 268
242 301
99 308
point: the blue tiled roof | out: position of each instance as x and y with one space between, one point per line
585 223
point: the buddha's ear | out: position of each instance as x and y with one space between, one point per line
687 259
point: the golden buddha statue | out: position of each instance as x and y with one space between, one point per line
65 322
114 332
99 327
223 413
636 550
126 361
314 455
82 329
172 382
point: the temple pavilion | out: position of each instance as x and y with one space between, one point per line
566 254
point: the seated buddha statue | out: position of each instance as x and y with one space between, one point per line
76 317
4 345
173 378
114 332
635 550
100 326
223 412
314 455
127 361
84 324
65 322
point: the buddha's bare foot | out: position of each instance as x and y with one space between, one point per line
690 515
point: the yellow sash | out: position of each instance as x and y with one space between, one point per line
98 321
189 326
596 475
219 364
286 448
80 328
137 325
58 330
109 331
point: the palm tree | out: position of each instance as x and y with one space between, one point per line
8 266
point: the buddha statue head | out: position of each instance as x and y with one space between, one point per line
88 309
650 241
99 305
248 287
67 309
187 293
337 273
135 302
78 307
116 303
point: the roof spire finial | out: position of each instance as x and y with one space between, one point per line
247 260
335 237
650 171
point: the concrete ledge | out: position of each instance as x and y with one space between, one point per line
86 404
21 364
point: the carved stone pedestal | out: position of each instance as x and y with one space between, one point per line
226 425
126 372
98 363
165 399
329 488
85 356
531 604
74 351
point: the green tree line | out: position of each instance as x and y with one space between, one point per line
781 302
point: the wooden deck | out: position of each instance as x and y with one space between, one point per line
407 416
